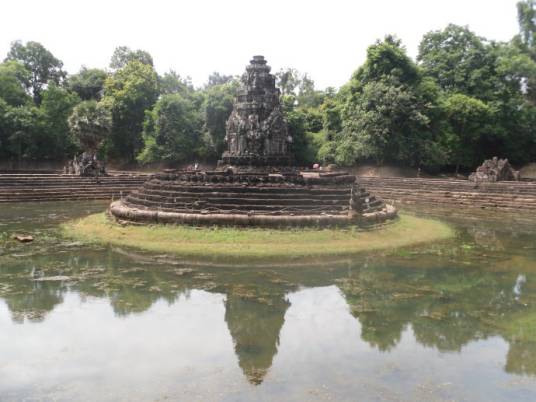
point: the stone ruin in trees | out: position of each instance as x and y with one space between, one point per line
85 165
493 170
255 183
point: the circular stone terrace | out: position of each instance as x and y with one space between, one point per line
252 199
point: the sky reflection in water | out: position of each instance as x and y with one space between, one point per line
454 321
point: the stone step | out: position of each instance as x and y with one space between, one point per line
460 185
52 190
9 183
136 202
38 194
233 194
482 202
242 200
287 189
457 194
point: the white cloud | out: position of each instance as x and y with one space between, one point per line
327 39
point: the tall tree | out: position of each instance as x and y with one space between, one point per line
525 44
41 64
172 130
90 123
386 111
13 75
459 60
129 93
20 131
469 121
387 60
123 55
172 83
217 107
526 15
57 105
218 79
287 80
88 83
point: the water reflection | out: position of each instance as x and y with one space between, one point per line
254 323
444 298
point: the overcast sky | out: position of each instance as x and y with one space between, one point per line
327 39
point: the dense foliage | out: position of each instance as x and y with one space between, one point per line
464 99
90 123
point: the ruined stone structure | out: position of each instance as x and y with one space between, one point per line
85 165
255 183
256 132
493 170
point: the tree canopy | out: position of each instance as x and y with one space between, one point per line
41 64
123 55
463 99
90 123
88 83
129 93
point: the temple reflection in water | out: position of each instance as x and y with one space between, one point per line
445 308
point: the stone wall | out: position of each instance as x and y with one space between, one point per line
56 187
507 196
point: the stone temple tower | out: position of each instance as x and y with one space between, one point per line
255 184
256 132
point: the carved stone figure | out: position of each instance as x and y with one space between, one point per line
493 170
85 165
257 132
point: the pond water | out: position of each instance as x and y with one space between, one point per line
450 321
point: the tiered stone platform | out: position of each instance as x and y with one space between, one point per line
252 199
57 187
506 195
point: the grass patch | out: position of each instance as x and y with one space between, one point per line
254 243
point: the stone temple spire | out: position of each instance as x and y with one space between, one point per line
256 132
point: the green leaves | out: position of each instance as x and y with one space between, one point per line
124 55
88 83
385 110
129 93
217 106
90 123
41 64
13 76
458 60
172 130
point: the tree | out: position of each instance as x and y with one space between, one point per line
469 119
218 79
524 46
383 113
172 83
387 60
41 64
526 16
90 123
172 130
217 107
287 80
129 93
459 61
88 83
12 78
123 55
19 131
385 122
56 107
291 82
